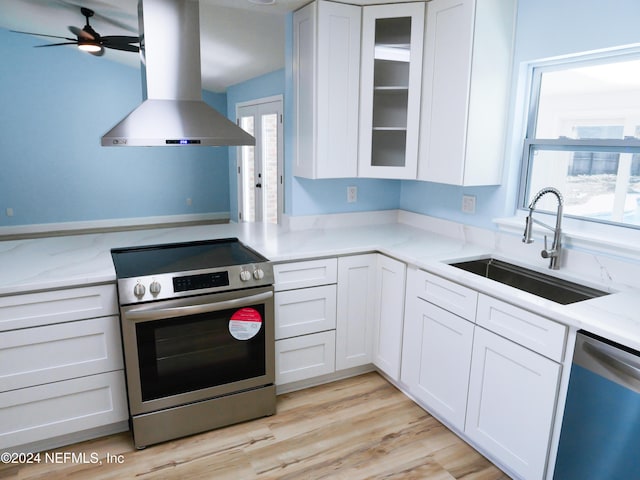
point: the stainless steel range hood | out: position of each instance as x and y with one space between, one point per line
173 112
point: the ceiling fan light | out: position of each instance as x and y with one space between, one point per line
89 47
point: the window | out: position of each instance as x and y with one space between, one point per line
583 138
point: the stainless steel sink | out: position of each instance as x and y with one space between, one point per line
545 286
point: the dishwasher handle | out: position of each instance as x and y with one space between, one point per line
608 360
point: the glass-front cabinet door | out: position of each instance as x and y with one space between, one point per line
391 72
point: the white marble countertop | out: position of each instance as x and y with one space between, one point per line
77 260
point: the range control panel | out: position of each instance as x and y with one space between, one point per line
171 285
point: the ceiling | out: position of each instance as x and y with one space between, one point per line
239 39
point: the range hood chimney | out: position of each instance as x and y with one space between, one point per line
173 112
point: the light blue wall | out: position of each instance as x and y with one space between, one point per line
445 201
545 28
548 28
315 197
56 104
267 85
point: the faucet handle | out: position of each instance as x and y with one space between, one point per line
546 253
528 229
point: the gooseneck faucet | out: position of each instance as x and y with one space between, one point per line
553 254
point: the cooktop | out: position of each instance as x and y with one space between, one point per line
182 257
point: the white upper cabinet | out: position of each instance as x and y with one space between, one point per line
326 49
391 69
465 90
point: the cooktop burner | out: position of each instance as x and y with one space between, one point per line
182 257
172 270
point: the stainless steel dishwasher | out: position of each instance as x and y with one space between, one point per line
601 425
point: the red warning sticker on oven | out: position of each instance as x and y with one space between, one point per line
245 323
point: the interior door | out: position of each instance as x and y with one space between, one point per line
260 167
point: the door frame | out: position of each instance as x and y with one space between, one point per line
257 102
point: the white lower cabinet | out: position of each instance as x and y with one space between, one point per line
388 317
56 306
33 414
305 317
512 398
34 356
356 310
305 357
305 310
492 376
333 315
61 368
309 273
437 359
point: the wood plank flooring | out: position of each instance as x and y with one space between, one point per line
358 428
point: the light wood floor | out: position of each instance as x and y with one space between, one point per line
353 429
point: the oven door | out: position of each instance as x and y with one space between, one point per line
196 348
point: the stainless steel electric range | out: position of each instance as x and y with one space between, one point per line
198 335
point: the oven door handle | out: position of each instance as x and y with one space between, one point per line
151 313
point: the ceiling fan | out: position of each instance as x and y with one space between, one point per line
88 40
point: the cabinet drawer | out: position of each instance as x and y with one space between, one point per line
448 295
528 329
34 414
34 356
308 310
305 357
305 274
44 308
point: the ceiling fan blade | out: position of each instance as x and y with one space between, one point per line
123 46
56 44
121 39
82 34
42 35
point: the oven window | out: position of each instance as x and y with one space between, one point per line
184 354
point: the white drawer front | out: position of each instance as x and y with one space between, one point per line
305 274
34 356
448 295
44 308
309 310
38 413
305 357
528 329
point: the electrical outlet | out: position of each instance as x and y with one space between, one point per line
9 212
189 202
352 194
469 203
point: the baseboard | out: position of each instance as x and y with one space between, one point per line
321 380
71 438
